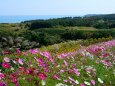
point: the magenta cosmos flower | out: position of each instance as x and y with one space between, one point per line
42 76
5 65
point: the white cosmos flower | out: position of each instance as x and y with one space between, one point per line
12 68
43 83
87 83
76 81
100 80
58 66
60 84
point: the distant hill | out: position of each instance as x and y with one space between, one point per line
99 21
102 16
89 15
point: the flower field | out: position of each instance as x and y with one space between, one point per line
87 66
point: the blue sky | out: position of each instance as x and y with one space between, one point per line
56 7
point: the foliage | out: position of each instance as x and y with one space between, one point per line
16 42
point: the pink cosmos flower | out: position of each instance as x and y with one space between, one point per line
65 80
14 80
71 79
30 71
42 76
105 54
81 84
17 50
93 82
20 61
65 62
40 61
47 55
46 69
5 65
33 51
2 83
70 71
2 75
21 68
6 52
24 53
55 76
6 59
76 72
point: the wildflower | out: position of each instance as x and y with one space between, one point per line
40 61
43 83
55 76
2 75
60 84
65 63
71 79
93 82
20 61
14 61
24 53
6 59
42 76
46 69
21 68
65 80
48 56
30 71
61 71
12 68
100 80
14 80
76 81
6 52
5 65
87 83
17 50
70 71
76 72
81 84
105 54
2 84
60 57
33 51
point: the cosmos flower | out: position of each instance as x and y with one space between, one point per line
100 80
20 61
5 65
93 82
42 76
87 83
60 84
76 72
2 83
55 76
33 51
76 81
2 75
43 83
6 59
81 84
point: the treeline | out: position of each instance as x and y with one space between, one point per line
28 39
97 21
52 36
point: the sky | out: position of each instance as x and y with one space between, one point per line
56 7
